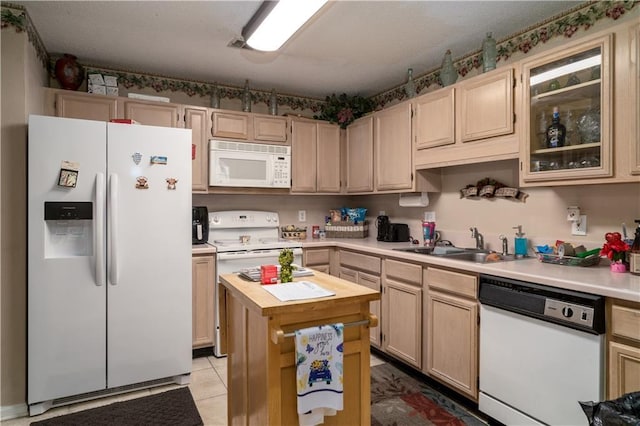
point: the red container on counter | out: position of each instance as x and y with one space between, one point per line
315 231
269 274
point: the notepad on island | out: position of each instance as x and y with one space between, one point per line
298 290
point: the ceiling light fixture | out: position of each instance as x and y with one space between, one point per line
276 21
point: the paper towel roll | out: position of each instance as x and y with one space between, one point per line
414 200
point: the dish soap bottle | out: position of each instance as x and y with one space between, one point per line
634 253
520 242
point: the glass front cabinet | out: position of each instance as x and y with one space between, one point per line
567 116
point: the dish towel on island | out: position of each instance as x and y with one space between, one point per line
319 372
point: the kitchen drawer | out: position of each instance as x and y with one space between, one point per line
625 322
316 257
364 262
453 282
408 272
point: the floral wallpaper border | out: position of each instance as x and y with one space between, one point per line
581 18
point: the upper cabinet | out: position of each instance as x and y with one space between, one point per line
469 122
575 81
359 153
633 96
197 119
151 113
248 126
315 156
80 105
393 150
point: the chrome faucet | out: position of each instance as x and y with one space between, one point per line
505 245
479 238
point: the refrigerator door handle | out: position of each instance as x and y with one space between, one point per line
113 228
99 230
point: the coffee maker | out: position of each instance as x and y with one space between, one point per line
199 225
382 223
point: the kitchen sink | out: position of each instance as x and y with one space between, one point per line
465 254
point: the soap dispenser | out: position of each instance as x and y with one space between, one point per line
520 242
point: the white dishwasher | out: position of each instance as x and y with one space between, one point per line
541 351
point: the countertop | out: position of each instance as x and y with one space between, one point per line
256 298
592 279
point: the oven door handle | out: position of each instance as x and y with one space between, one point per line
258 254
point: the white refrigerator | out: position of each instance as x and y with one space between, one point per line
109 258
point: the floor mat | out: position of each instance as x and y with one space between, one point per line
170 408
399 399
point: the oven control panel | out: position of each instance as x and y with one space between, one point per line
569 312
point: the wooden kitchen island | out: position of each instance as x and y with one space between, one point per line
260 365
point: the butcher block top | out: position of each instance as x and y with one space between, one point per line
255 297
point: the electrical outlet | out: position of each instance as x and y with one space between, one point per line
579 227
382 213
302 215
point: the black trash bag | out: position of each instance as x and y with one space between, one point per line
623 411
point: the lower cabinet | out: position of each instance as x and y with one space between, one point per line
318 259
451 334
623 337
402 311
203 271
364 270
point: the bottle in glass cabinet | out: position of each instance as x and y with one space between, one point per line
634 253
556 132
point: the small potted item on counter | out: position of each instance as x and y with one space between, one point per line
616 250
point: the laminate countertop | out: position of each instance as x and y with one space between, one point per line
591 279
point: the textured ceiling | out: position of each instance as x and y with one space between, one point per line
356 47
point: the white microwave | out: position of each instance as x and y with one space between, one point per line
248 164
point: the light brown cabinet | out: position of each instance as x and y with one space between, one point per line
151 113
86 107
451 332
359 153
623 337
470 122
393 149
632 99
318 259
365 270
197 119
402 311
203 271
315 156
577 80
248 126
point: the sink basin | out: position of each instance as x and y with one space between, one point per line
465 254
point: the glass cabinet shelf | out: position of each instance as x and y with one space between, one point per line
575 82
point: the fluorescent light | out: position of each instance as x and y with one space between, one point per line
566 69
276 21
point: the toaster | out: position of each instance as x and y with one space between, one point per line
397 232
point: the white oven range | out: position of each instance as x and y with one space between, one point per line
244 239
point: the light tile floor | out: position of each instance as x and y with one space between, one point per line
208 387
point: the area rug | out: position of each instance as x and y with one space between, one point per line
399 399
170 408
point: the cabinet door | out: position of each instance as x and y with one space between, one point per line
434 121
485 107
272 129
86 106
402 312
577 81
634 78
230 125
393 149
328 158
348 274
360 155
452 342
196 119
624 369
304 143
203 270
152 114
372 282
